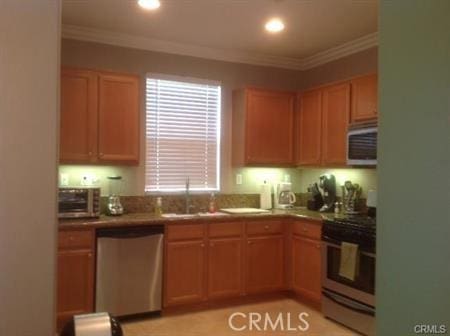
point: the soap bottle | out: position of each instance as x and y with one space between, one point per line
212 204
158 207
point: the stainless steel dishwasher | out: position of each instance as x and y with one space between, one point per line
129 270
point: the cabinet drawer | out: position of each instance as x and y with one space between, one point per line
308 229
227 229
81 239
185 232
264 228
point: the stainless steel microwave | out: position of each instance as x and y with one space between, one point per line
78 202
362 145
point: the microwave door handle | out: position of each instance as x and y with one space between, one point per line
357 307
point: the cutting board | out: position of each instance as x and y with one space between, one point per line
244 210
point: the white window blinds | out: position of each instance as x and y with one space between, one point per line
182 134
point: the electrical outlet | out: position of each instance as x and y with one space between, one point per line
88 179
63 179
239 179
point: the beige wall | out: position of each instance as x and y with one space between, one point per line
232 76
29 66
361 63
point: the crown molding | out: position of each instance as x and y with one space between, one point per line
137 42
352 47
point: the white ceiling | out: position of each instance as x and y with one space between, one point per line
312 26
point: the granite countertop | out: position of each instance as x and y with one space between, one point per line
133 219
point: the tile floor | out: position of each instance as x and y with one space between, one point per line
215 322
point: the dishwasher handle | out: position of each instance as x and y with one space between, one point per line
130 232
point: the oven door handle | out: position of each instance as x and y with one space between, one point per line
338 247
352 305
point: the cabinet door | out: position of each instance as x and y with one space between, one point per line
306 267
335 114
269 127
310 128
78 132
265 264
224 267
364 99
185 272
75 284
118 131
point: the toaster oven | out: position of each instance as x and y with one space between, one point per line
78 202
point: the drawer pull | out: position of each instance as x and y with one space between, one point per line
266 227
305 230
202 245
71 238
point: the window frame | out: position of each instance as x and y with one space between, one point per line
193 80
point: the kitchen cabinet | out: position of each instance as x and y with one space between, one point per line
263 127
364 99
185 264
310 128
265 256
185 272
75 275
306 260
335 120
78 140
99 117
118 118
225 267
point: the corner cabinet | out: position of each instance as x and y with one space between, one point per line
99 117
263 127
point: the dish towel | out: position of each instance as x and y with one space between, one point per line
348 267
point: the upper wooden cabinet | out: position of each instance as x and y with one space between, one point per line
335 119
99 117
78 133
263 127
364 99
322 125
310 128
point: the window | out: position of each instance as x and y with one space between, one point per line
182 134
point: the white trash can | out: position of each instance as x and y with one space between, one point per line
97 324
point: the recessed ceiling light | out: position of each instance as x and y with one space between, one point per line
149 4
274 25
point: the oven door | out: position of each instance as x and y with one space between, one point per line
362 289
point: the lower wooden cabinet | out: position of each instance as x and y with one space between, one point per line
185 272
265 264
306 260
225 259
75 284
306 267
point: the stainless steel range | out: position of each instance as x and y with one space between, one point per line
349 301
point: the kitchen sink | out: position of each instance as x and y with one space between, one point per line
199 214
174 215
